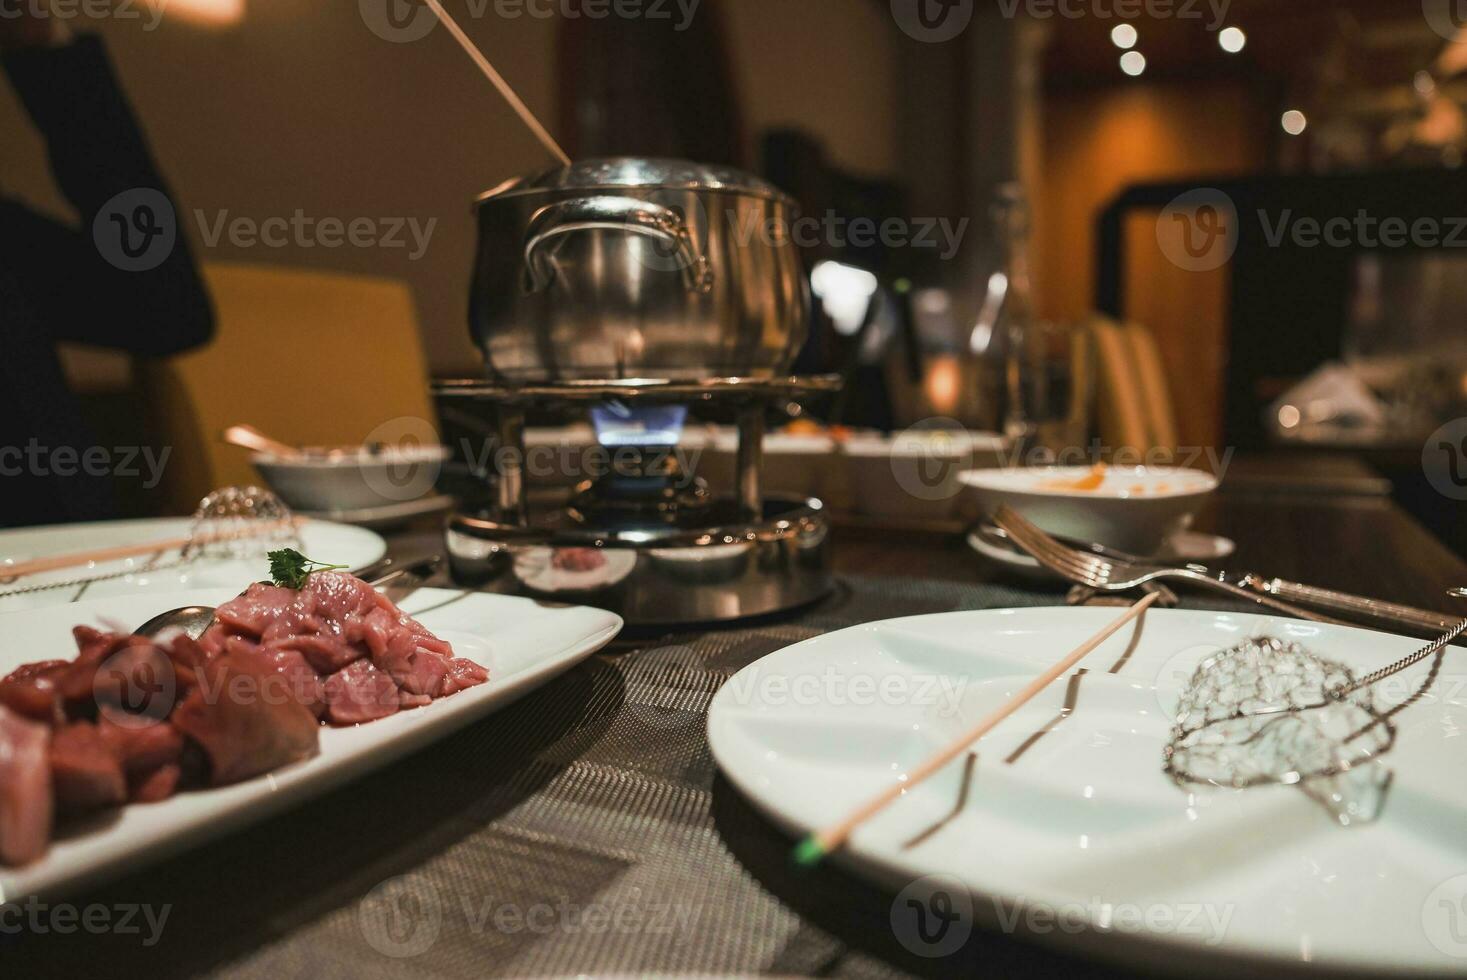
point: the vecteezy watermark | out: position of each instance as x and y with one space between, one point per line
933 916
1447 17
1198 231
398 21
933 21
1214 12
126 462
124 919
411 457
1206 922
301 230
839 687
136 229
1124 457
136 687
403 917
148 11
571 463
1444 916
942 234
676 226
403 21
927 458
1362 230
1444 460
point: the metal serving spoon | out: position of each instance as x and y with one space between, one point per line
194 620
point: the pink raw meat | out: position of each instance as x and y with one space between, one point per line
85 772
31 691
252 613
25 788
241 728
463 674
336 620
133 720
360 692
157 785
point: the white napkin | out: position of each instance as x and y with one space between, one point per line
1333 395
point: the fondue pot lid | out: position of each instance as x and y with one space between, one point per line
621 173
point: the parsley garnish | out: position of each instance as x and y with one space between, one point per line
290 568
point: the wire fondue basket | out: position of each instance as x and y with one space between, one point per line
1269 711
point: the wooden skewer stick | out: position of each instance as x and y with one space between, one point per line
98 555
817 845
515 103
249 437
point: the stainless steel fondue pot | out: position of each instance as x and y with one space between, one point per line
629 268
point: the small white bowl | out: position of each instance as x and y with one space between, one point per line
1134 509
352 478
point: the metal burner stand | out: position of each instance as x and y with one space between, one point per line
753 554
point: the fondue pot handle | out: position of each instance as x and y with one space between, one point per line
604 213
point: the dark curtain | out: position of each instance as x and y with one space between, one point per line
650 87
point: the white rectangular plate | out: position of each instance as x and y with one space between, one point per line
523 643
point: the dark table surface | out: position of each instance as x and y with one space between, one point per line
599 788
1358 543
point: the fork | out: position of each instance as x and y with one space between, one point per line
1110 574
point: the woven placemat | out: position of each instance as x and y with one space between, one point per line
585 829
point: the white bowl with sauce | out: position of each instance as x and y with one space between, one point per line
1130 508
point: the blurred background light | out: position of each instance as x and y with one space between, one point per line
845 291
1232 40
212 13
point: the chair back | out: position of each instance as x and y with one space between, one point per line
1135 408
312 358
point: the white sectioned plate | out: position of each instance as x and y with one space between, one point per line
523 643
334 544
1082 825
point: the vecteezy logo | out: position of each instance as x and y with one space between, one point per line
400 917
1176 673
135 230
398 21
933 21
1444 460
1198 231
1444 916
933 916
670 233
411 458
1447 17
135 687
927 458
